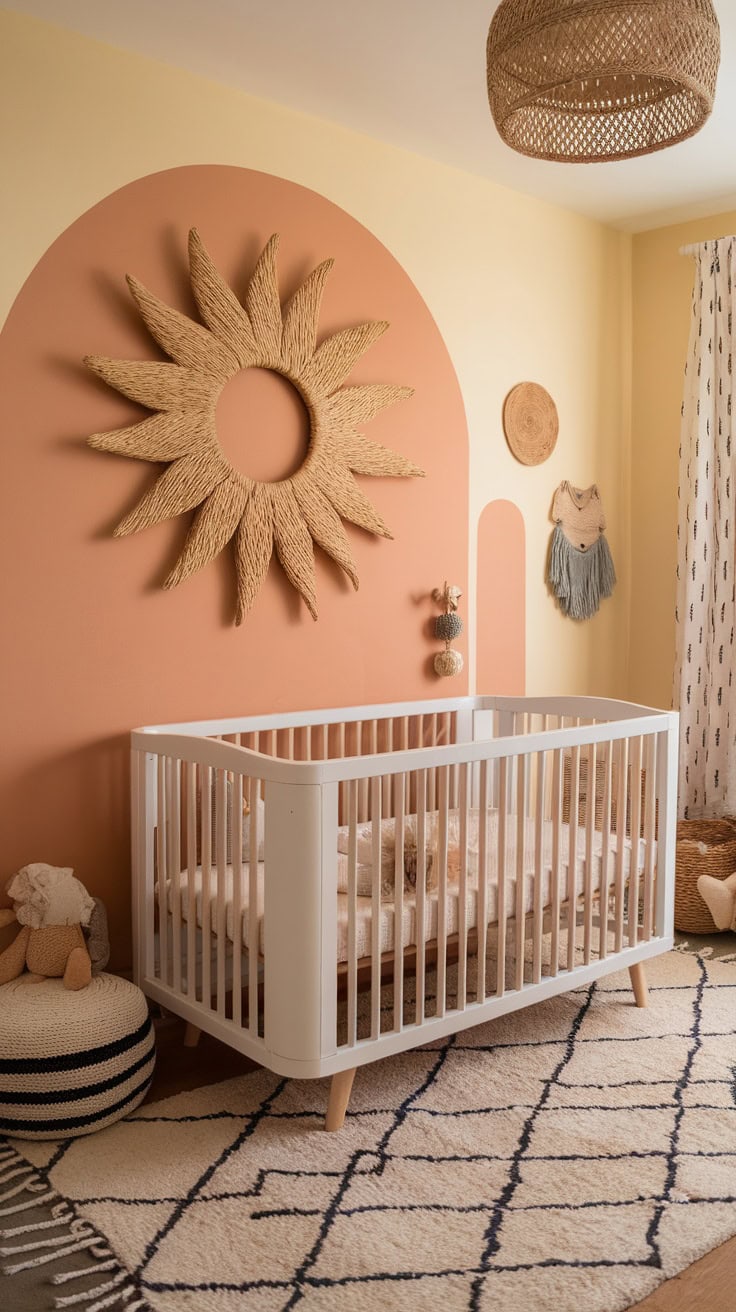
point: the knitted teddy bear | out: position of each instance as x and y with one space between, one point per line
719 896
52 906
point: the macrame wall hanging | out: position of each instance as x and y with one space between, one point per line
580 569
291 514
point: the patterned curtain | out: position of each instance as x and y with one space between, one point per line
705 690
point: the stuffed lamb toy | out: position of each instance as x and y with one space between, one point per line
52 907
719 896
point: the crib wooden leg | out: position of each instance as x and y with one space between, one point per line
340 1088
191 1035
639 984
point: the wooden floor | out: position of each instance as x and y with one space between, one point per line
708 1285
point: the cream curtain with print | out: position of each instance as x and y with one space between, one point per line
705 687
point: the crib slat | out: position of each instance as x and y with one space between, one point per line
388 746
173 807
432 773
589 854
621 812
205 822
633 904
352 964
448 739
503 808
376 908
191 806
363 784
462 965
161 870
221 859
421 895
538 920
520 910
398 785
649 836
441 857
236 848
256 838
483 880
554 950
572 858
605 852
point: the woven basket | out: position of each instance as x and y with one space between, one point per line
600 783
704 847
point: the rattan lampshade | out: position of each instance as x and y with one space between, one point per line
595 80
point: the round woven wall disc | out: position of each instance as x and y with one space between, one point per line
530 423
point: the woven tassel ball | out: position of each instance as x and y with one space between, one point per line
447 627
448 662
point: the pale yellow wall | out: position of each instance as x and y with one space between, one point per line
662 282
519 289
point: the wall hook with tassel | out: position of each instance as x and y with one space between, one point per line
447 627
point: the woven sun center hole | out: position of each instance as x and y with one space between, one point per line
262 425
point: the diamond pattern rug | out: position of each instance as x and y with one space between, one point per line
573 1154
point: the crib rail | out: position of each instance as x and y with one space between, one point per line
402 868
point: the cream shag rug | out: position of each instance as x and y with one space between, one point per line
574 1154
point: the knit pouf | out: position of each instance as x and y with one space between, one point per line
72 1062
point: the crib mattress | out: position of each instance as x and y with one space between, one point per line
410 931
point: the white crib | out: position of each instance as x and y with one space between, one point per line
544 828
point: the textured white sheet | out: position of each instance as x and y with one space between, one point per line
387 929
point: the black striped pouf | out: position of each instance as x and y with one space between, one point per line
72 1062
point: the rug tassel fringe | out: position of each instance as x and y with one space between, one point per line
119 1297
19 1177
124 1294
65 1276
49 1257
60 1213
87 1295
36 1246
33 1202
26 1183
12 1173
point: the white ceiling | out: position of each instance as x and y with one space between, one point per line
412 73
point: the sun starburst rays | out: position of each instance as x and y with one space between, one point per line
288 516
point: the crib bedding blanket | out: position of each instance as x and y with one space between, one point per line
204 887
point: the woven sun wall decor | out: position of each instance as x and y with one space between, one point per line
530 423
582 81
291 514
580 569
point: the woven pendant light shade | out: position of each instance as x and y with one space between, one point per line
588 80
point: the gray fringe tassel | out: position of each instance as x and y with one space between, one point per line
580 579
31 1191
